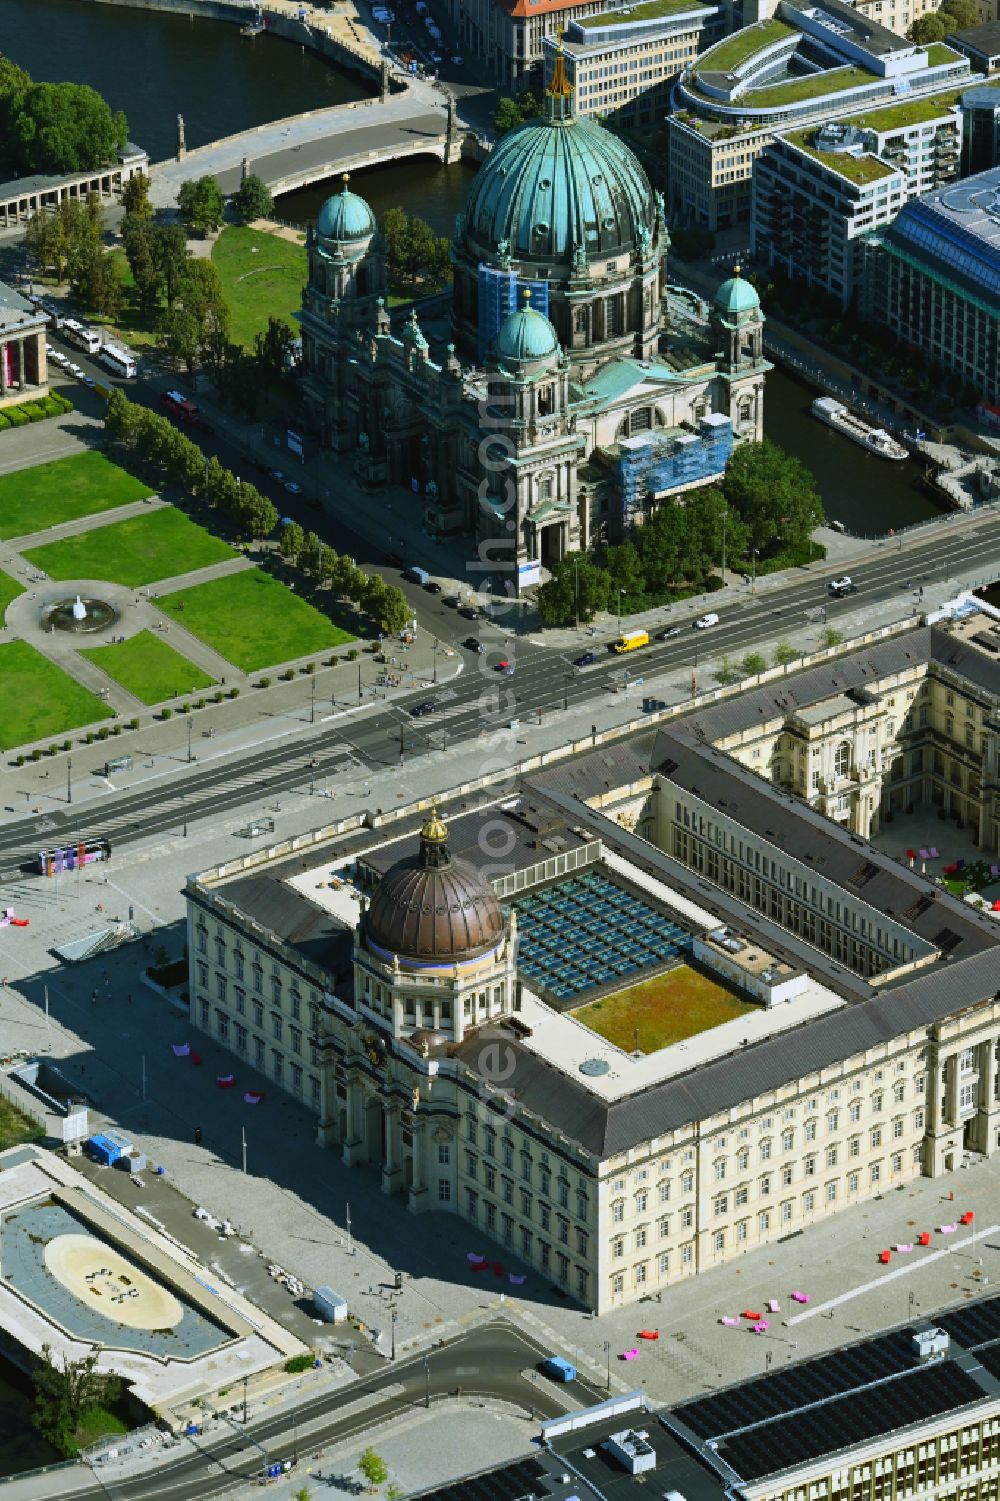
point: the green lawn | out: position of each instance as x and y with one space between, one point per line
16 1128
812 86
252 620
914 112
141 550
39 699
33 499
651 11
149 668
664 1010
859 169
728 54
9 589
262 277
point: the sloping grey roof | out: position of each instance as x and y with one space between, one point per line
316 935
607 1129
822 846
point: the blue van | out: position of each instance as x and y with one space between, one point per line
558 1369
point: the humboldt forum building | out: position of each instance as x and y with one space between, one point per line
663 999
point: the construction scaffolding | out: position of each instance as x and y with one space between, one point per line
655 464
500 294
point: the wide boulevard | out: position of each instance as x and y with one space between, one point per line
496 1362
544 683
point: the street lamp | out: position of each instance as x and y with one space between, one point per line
568 678
427 1375
576 583
753 570
190 727
312 699
435 659
359 682
620 593
607 1351
69 783
392 1355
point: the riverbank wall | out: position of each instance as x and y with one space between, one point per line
285 24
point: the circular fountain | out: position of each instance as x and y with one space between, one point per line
79 615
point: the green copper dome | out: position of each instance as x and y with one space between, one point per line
559 185
345 217
736 296
526 336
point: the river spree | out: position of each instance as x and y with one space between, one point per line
156 66
423 187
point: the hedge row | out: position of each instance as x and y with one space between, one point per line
53 405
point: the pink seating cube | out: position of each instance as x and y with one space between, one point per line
761 1327
773 1305
628 1355
947 1229
800 1297
902 1247
730 1323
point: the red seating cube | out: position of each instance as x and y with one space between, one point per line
924 1239
885 1257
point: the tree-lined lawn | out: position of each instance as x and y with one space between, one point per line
138 551
149 668
9 589
33 499
39 699
252 620
262 277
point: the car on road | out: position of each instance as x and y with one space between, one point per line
667 632
704 621
88 380
419 710
277 476
457 62
433 587
76 370
472 643
436 57
844 585
451 600
60 359
505 668
558 1369
585 658
469 612
292 487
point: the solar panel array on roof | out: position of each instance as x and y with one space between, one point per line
812 1381
989 1355
974 1324
513 1482
848 1420
589 931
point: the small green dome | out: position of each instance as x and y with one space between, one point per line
736 296
526 337
345 217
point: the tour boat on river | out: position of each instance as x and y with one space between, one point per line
877 441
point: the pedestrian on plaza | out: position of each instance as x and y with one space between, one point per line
130 997
197 1136
93 997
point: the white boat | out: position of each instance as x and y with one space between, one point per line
836 415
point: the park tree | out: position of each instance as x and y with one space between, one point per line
374 1469
201 204
135 196
273 348
139 237
395 611
506 116
56 127
773 495
290 541
200 295
753 663
311 554
412 248
574 578
928 28
253 199
171 252
959 15
178 336
103 288
66 1393
258 515
831 636
626 580
784 653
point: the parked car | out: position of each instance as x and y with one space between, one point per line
704 621
585 659
451 600
469 612
76 370
457 62
433 587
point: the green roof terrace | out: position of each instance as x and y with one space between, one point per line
653 10
728 54
813 86
938 54
857 169
913 112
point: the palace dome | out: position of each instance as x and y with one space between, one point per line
345 217
525 337
736 297
433 909
558 184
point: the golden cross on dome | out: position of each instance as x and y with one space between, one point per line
559 86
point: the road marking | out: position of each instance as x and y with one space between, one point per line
900 1271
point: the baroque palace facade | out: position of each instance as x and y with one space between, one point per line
559 350
417 994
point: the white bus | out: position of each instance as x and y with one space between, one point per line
118 361
83 337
